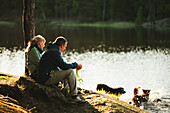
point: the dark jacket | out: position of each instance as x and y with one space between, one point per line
50 62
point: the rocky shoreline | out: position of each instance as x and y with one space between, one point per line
16 94
21 94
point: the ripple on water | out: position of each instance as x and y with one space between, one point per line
148 69
12 61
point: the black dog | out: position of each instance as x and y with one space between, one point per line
110 90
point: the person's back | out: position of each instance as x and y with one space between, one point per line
47 64
34 57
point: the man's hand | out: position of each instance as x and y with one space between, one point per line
79 67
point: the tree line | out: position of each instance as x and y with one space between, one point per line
89 10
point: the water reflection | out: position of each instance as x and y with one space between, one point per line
11 37
86 37
92 37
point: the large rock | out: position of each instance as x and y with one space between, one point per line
12 91
33 96
41 91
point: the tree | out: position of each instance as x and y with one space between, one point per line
139 18
75 6
104 9
28 23
40 10
28 20
98 9
151 11
111 9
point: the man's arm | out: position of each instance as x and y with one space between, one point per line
63 65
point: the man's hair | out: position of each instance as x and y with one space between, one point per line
60 41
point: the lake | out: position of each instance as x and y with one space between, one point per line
125 58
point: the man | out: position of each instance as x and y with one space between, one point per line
53 69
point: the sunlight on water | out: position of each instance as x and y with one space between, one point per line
12 62
149 69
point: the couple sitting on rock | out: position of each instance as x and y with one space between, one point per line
50 68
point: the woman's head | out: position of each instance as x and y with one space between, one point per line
39 41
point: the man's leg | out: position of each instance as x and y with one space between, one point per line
67 75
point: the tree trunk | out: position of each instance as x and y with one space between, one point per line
104 9
151 14
28 20
28 24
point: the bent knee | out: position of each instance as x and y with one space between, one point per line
71 72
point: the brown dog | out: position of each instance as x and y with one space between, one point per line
136 91
138 99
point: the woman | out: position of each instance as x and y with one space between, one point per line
34 53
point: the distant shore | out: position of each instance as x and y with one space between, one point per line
97 24
163 24
8 23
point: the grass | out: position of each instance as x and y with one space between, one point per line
7 23
119 25
10 79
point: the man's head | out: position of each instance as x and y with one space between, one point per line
61 42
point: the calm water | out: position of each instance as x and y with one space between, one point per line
125 58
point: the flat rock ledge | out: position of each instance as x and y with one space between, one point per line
41 91
29 94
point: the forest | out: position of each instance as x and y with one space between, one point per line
89 10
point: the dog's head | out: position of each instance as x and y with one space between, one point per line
101 86
122 91
146 91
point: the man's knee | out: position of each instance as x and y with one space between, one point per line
71 72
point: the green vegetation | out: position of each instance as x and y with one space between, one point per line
7 23
89 11
8 79
99 24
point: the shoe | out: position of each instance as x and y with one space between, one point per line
77 99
